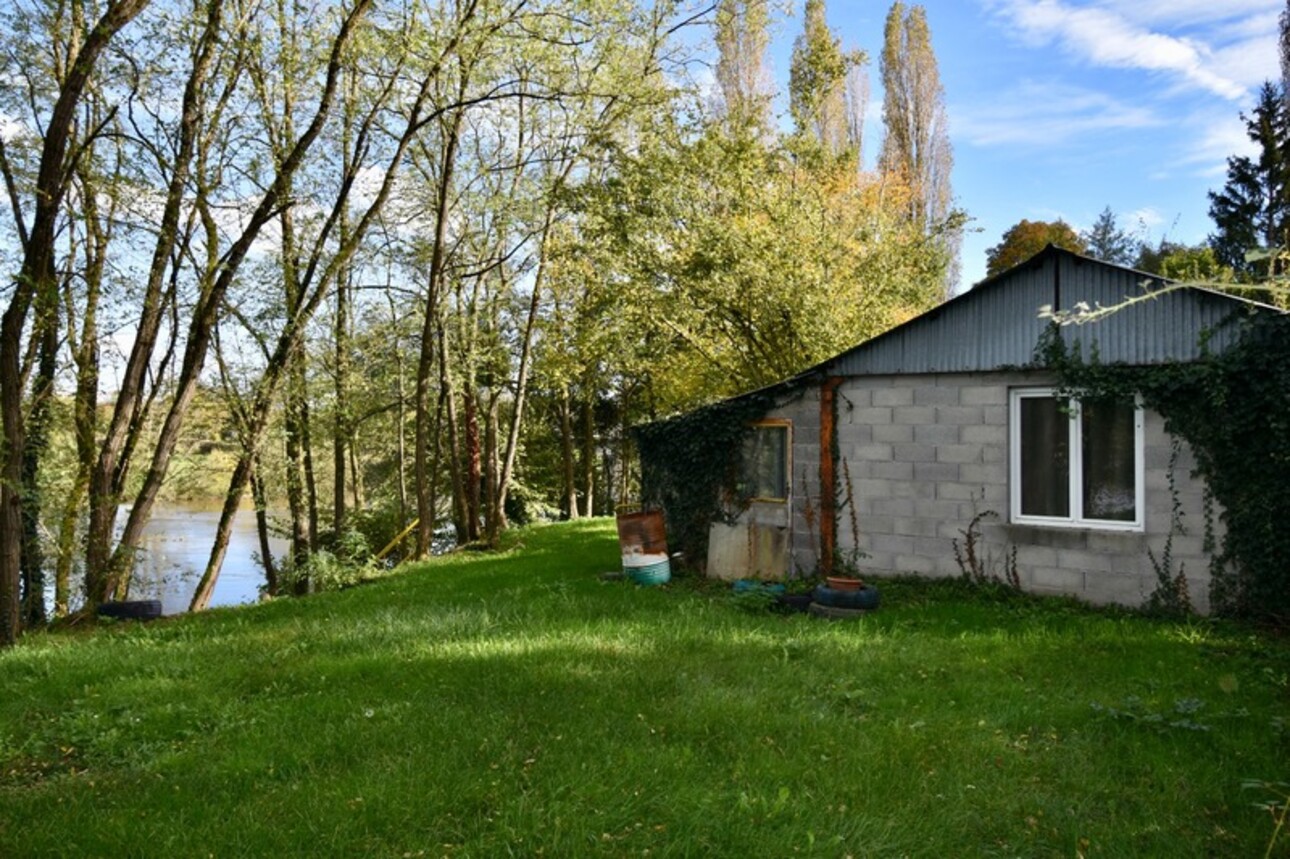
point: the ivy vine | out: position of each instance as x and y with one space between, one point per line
1233 409
690 467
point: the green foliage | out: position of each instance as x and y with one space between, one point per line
1106 241
817 81
1171 597
1027 238
1253 209
1182 262
1233 409
347 561
690 465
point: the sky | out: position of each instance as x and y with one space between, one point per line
1060 108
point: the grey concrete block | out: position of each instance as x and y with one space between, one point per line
989 395
914 415
1036 556
936 396
914 527
983 475
895 544
936 472
913 489
960 415
916 564
893 470
871 415
958 453
1078 559
871 488
1115 587
1057 580
995 434
894 433
851 434
938 510
994 496
914 452
893 397
854 396
994 415
936 434
932 546
856 453
893 506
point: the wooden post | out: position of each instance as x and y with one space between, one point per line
828 472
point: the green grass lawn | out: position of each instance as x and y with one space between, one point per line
515 704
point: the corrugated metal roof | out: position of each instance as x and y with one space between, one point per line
997 325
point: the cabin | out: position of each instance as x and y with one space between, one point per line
885 457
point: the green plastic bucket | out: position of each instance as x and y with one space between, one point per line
647 569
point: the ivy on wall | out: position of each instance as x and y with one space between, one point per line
1233 409
690 467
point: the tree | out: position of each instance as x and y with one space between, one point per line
916 147
817 82
36 283
1182 262
1027 238
742 36
1253 209
1107 242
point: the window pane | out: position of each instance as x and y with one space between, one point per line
766 462
1108 442
1045 457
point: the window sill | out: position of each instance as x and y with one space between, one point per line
1076 525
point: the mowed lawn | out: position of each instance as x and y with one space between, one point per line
515 704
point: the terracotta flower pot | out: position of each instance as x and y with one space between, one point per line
844 583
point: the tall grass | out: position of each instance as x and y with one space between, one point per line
516 704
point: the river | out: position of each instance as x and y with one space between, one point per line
176 545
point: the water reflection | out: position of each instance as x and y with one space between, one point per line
176 545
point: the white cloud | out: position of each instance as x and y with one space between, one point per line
1213 142
1104 37
1142 220
1189 13
1047 114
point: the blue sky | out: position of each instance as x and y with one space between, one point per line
1059 108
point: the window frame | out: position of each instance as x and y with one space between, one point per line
787 426
1076 465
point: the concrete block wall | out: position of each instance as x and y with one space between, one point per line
926 453
804 490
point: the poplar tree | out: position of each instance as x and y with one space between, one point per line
817 82
742 37
917 144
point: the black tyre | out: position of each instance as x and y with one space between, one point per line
131 609
865 598
832 612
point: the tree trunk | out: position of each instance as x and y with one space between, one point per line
570 493
473 472
33 556
588 456
459 514
262 528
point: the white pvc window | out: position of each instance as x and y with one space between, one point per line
1075 464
